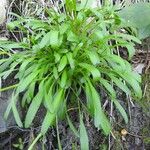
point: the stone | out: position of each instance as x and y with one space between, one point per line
3 4
4 101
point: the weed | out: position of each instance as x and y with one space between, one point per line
68 53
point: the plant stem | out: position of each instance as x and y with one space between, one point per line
8 88
35 141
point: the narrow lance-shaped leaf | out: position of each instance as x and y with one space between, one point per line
93 70
47 122
108 87
50 117
12 106
54 38
55 73
62 64
16 114
34 106
131 50
45 40
9 107
129 37
120 84
23 84
121 110
70 60
84 141
48 98
63 80
72 127
130 79
100 119
90 103
57 100
94 57
112 92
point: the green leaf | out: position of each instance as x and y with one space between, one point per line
94 57
48 97
55 73
57 100
116 62
50 117
34 106
12 106
72 37
100 120
5 64
9 107
121 110
36 24
108 87
63 28
121 85
14 24
63 81
47 122
12 45
113 98
12 68
85 4
54 38
84 141
144 32
62 64
72 127
89 99
129 37
24 64
131 50
15 111
3 61
45 40
136 15
16 115
93 70
57 57
130 79
70 60
24 83
70 6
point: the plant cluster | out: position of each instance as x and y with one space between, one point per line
68 54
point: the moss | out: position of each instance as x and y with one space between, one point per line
146 81
145 101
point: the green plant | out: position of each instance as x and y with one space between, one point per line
19 145
137 16
68 54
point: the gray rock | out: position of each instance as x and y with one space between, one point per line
4 101
3 4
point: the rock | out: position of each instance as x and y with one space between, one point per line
3 4
42 2
4 101
139 68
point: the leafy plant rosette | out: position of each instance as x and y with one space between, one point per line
68 53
